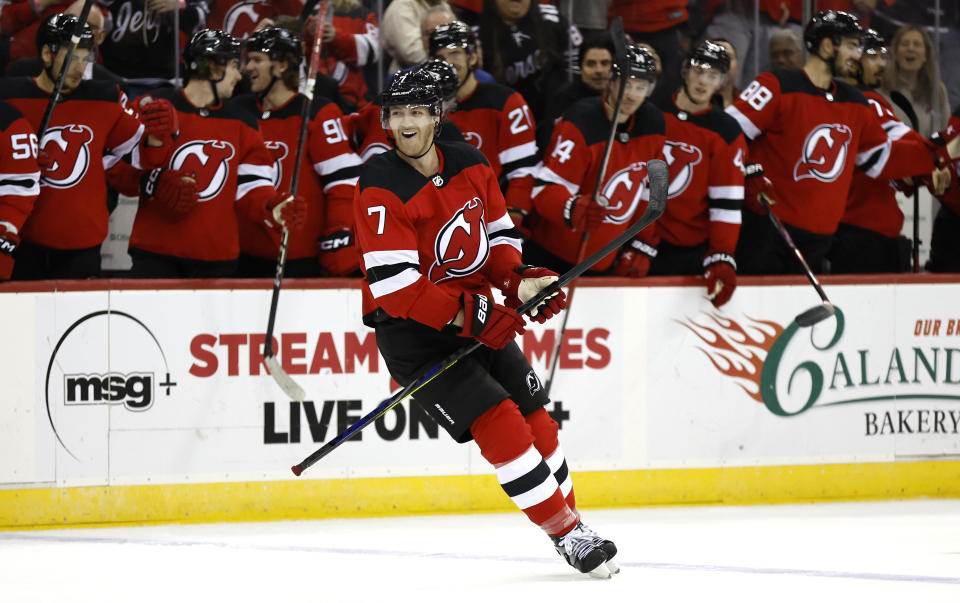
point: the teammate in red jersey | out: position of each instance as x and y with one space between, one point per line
351 42
90 130
868 237
492 117
945 239
19 181
563 200
809 130
239 19
328 171
705 150
186 224
435 236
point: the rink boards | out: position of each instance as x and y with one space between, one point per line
140 404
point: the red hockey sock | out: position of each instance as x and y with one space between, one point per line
548 444
507 442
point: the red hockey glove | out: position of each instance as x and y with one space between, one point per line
287 211
583 214
159 118
947 145
491 324
634 259
720 270
754 185
338 253
44 161
523 283
175 190
9 241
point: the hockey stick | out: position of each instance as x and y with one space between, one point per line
55 98
810 317
620 58
657 171
284 380
901 101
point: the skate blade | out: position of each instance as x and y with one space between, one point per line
601 571
612 566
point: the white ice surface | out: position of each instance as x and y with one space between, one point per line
815 553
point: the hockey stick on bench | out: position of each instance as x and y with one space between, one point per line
657 171
285 381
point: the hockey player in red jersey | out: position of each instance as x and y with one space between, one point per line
705 151
19 182
809 130
90 130
563 200
186 223
945 239
435 236
328 171
868 238
351 42
492 117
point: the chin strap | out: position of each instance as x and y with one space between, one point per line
413 156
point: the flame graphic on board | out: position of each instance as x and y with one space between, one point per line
736 350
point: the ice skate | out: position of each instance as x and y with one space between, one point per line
608 547
583 550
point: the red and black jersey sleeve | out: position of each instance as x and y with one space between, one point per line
335 162
357 40
19 173
725 190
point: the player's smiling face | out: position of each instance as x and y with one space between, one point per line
231 77
459 58
412 127
873 64
257 67
848 57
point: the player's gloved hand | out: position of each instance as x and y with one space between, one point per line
176 190
287 211
756 184
634 259
44 160
524 282
489 323
337 251
159 118
947 145
720 270
938 181
9 241
583 214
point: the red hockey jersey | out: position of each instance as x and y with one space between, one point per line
328 173
355 45
426 241
571 165
496 120
705 153
234 172
239 18
19 173
951 198
809 139
89 132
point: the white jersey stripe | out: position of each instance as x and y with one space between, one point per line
547 175
518 152
746 125
267 172
519 466
537 495
394 283
877 167
14 185
347 181
339 162
730 216
244 188
372 259
725 192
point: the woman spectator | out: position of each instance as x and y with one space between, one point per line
401 31
915 74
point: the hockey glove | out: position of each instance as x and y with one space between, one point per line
583 214
755 184
338 252
287 211
946 145
634 259
720 270
174 190
9 241
44 160
159 118
523 283
489 323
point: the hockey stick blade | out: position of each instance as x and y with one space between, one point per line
816 314
659 183
285 381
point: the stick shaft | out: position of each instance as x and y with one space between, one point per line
58 86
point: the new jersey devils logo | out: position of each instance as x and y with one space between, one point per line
207 159
69 150
462 245
474 139
681 157
623 192
279 151
824 153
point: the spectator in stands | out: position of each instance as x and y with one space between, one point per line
914 73
525 47
729 91
596 60
351 42
140 46
786 49
401 31
20 19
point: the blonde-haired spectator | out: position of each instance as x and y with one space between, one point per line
914 72
400 31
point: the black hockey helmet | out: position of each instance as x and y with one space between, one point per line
833 24
709 54
414 88
873 42
275 42
640 64
57 30
456 34
212 44
445 74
